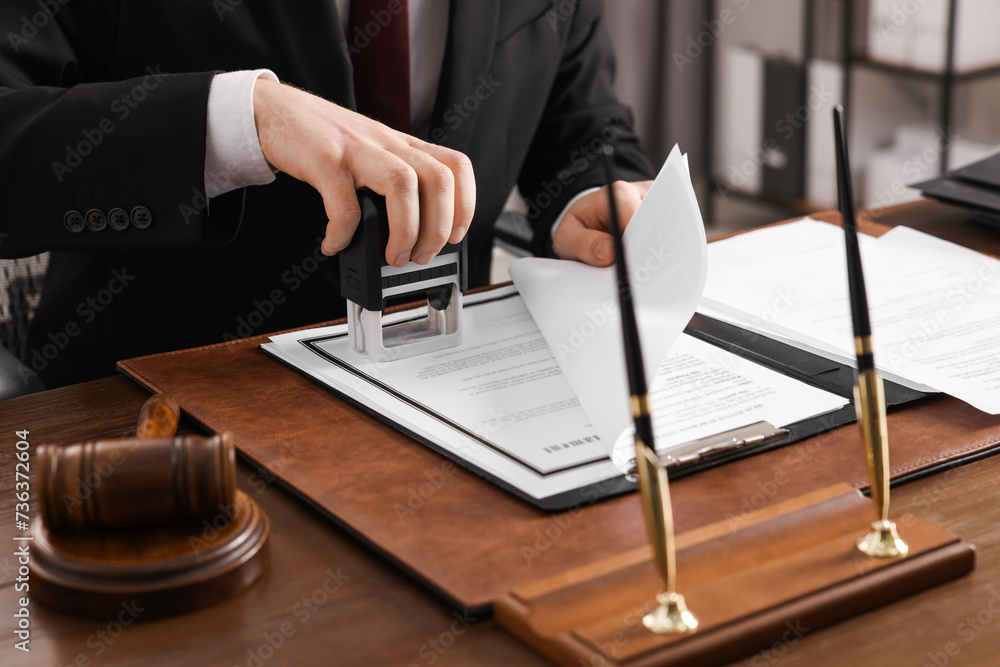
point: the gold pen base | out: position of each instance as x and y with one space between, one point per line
586 615
671 617
883 541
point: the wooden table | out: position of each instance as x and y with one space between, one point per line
329 600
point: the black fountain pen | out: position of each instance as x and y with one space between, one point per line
672 615
869 397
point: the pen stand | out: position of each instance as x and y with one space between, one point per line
152 523
792 565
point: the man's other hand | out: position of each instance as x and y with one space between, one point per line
584 234
430 190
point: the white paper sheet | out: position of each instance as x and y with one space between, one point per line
935 306
576 306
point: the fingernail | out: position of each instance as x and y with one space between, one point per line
423 258
601 251
327 250
402 258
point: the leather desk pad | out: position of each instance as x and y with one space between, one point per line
469 540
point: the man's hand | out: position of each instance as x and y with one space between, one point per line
584 234
430 190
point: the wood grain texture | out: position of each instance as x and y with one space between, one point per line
165 570
378 616
800 567
325 599
135 481
158 417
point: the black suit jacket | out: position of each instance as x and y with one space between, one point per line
103 107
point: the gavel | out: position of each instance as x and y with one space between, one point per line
155 478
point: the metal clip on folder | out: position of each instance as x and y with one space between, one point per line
751 435
758 433
367 281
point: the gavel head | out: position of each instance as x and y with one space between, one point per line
136 481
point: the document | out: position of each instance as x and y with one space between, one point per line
497 402
500 403
933 304
576 306
536 396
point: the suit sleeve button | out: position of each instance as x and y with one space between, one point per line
118 219
73 220
96 220
141 217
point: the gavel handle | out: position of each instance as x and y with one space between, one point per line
158 418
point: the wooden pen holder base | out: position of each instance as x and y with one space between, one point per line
165 570
789 567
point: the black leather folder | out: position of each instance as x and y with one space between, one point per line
807 367
975 186
985 173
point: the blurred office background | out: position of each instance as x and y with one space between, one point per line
745 87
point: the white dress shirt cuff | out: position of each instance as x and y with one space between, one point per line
555 225
233 158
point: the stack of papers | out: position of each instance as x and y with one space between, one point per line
934 305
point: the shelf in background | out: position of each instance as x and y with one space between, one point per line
793 205
927 75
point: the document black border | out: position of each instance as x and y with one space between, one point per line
312 344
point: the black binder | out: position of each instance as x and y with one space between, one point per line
975 186
784 167
807 367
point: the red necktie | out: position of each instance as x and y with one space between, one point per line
378 40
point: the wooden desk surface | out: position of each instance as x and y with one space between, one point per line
329 600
